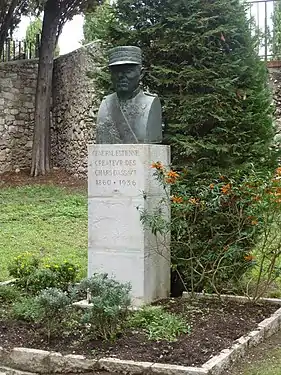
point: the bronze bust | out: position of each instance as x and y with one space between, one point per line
129 115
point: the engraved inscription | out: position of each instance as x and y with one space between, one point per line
115 168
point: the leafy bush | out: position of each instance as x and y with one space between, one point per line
23 266
33 275
215 228
110 302
53 304
26 309
8 294
159 324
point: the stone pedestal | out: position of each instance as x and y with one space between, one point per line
121 183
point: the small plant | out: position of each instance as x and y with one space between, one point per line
66 274
8 294
33 275
159 324
23 266
26 309
41 279
53 304
110 301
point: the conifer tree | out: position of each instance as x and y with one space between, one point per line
200 58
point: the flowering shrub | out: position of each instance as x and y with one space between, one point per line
216 225
34 275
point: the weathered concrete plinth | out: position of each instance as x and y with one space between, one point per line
120 185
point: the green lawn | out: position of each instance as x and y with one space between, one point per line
265 359
46 219
269 366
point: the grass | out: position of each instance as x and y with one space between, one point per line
46 219
269 363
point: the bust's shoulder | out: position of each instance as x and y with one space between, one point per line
151 97
150 94
109 98
148 97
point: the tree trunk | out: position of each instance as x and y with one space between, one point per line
41 139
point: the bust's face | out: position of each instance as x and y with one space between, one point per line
125 78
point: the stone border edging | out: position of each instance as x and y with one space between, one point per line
10 371
46 362
8 282
229 297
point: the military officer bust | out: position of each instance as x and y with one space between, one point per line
129 115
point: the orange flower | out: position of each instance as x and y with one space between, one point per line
173 174
249 257
157 165
225 189
176 199
222 178
169 180
254 222
278 171
193 200
212 186
171 177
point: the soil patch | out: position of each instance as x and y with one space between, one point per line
55 177
214 326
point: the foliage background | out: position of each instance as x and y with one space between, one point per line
200 58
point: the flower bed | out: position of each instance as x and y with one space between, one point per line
212 341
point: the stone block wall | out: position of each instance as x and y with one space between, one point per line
17 101
75 102
75 105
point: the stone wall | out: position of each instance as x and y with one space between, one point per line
75 105
17 100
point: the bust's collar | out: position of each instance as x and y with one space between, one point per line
132 96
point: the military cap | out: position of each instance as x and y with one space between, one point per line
125 55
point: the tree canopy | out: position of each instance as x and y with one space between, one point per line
10 16
96 24
34 31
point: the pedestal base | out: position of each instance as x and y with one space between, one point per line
120 185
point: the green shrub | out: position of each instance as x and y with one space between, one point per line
53 304
34 275
159 324
66 274
110 302
8 294
23 266
26 309
215 229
